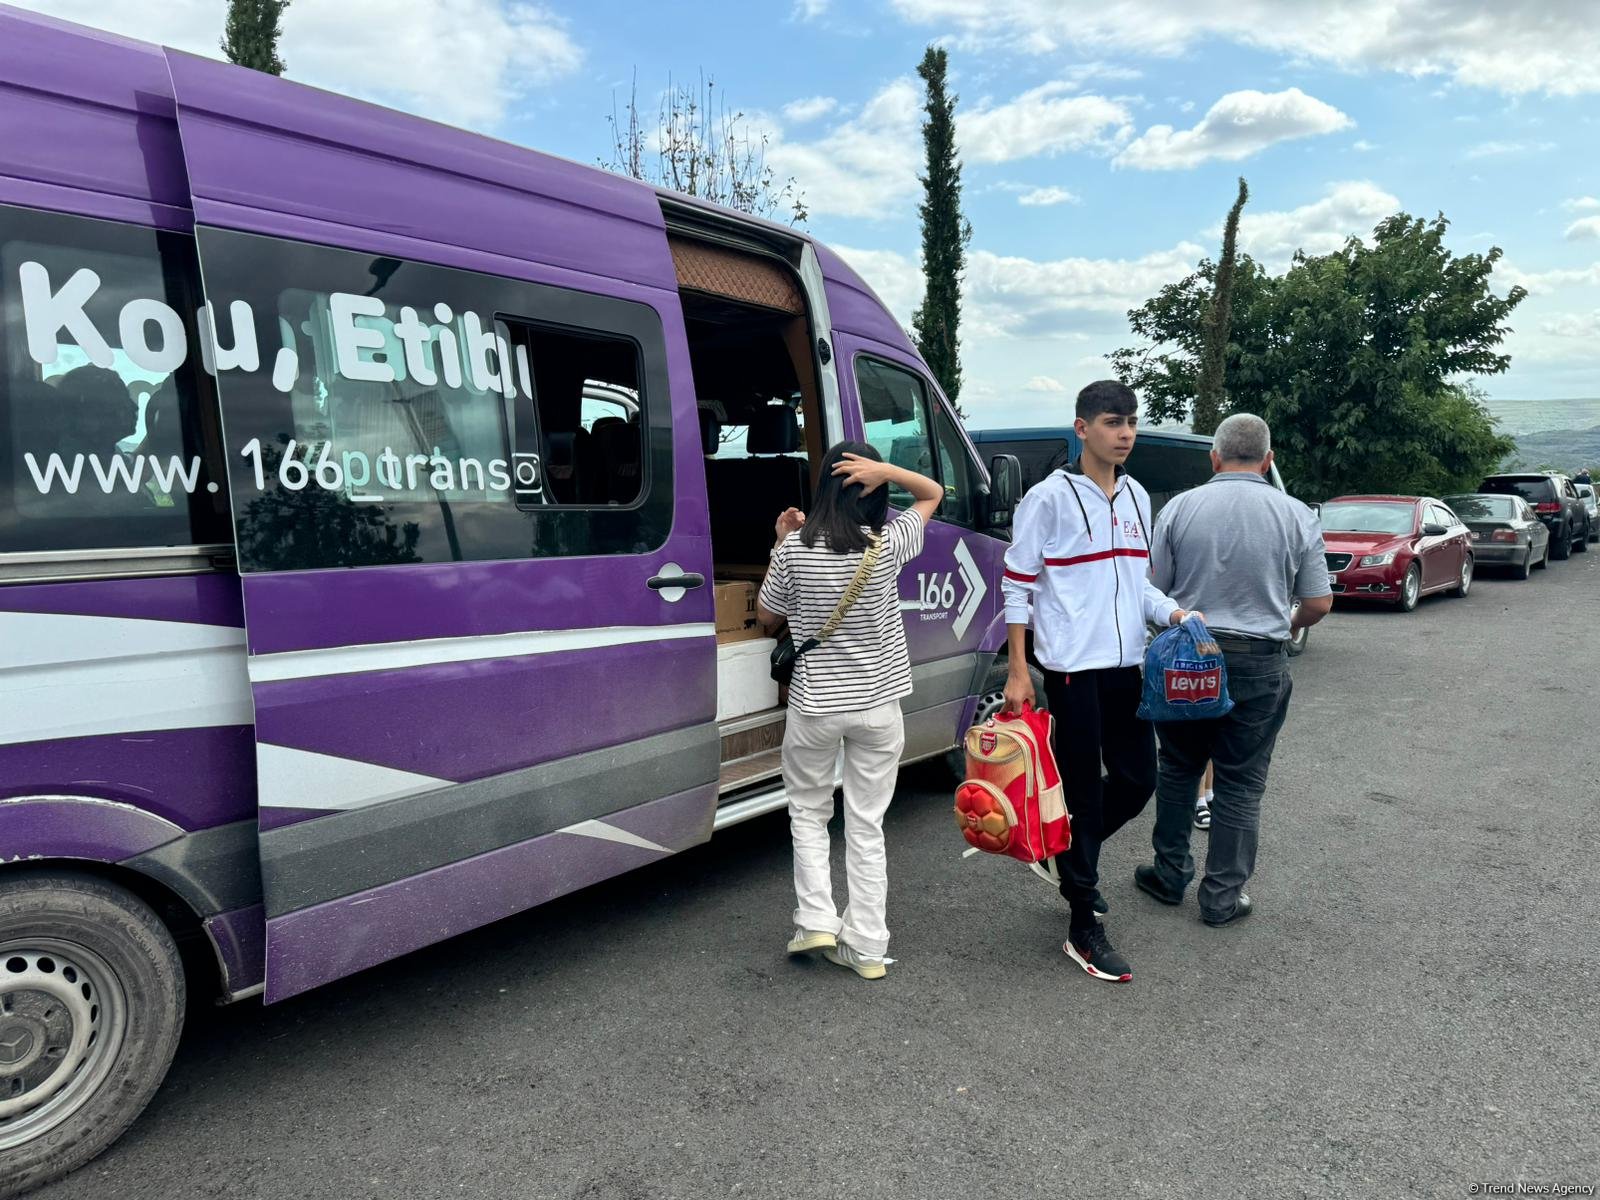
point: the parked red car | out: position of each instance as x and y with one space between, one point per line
1396 549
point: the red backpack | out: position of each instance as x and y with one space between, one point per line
1011 801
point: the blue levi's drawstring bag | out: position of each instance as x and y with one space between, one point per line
1185 678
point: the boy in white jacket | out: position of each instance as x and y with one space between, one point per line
1077 571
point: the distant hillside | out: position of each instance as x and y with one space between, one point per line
1561 449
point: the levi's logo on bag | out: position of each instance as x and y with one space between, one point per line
1192 682
1185 676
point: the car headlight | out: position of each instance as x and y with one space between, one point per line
1377 560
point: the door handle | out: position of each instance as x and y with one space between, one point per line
685 580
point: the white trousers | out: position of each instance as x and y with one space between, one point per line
872 742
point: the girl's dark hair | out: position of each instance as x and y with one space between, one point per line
840 510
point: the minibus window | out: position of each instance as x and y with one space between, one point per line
108 427
894 412
387 411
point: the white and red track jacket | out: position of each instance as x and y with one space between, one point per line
1081 561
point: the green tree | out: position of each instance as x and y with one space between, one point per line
1211 397
945 233
1363 360
250 37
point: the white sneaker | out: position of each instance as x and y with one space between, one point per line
805 941
845 955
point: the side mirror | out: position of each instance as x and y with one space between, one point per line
1431 530
1005 488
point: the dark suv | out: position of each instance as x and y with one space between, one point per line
1555 500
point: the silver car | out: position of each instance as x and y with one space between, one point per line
1505 530
1592 504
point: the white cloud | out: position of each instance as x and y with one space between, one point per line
864 167
1575 325
467 62
1272 237
1581 204
1238 125
1043 121
868 166
1589 227
1008 296
1502 149
1540 283
1552 46
810 10
1046 197
1044 383
1362 145
801 111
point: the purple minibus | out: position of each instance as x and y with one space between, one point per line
364 489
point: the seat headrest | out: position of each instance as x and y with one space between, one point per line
773 430
710 432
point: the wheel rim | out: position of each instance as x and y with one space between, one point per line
63 1016
1411 586
989 704
1466 576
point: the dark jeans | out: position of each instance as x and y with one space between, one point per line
1095 722
1239 747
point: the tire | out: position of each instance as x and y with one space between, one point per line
85 962
1561 547
1525 571
1464 580
990 700
1410 589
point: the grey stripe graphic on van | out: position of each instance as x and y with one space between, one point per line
311 862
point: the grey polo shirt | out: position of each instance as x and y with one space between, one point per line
1241 552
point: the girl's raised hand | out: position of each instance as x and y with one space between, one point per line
867 472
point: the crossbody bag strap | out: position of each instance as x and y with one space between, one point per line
858 584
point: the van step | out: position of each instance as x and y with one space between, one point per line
747 770
752 735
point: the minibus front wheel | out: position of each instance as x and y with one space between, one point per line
91 1007
991 699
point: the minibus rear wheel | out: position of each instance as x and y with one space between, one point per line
91 1007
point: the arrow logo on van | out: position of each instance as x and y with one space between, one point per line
977 589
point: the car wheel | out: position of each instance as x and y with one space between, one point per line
1562 542
990 701
1464 581
1526 570
91 1006
1411 588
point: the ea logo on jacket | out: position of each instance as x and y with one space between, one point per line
1131 530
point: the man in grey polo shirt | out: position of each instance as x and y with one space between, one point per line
1243 552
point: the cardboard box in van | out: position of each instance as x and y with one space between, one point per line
736 612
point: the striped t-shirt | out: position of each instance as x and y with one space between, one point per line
865 662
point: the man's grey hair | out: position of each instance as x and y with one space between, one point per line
1242 438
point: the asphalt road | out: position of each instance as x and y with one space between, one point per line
1411 1010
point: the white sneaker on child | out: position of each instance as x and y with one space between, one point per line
805 941
846 955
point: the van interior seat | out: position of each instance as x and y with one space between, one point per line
746 495
617 443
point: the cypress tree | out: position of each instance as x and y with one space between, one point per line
1211 394
945 232
251 35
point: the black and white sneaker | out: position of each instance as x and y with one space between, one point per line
1091 950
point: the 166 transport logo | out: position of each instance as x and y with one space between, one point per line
937 597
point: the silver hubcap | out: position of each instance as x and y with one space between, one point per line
988 705
1466 575
1411 587
62 1020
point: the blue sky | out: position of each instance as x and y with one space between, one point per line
1101 143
